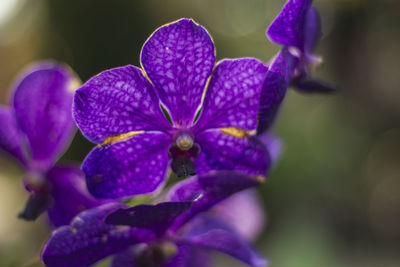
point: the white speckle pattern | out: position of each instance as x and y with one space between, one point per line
137 165
233 95
220 151
117 101
180 72
88 239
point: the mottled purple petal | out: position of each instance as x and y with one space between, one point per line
157 218
42 101
209 190
11 139
137 165
88 239
243 212
288 27
178 58
233 94
206 232
312 29
274 89
220 151
70 195
117 101
189 256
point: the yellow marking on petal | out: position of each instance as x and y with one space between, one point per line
119 137
236 132
74 230
203 95
104 239
146 76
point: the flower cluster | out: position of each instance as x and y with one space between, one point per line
182 114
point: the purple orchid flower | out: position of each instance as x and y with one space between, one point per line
212 111
35 130
173 233
298 27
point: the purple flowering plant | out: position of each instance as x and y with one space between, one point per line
171 233
180 112
298 29
35 129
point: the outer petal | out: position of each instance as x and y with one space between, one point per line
70 195
274 89
42 101
178 58
157 218
243 212
220 151
117 101
233 94
11 139
208 233
88 239
312 29
137 165
288 27
208 190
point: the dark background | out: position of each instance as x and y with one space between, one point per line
332 200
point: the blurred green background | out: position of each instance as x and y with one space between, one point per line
333 199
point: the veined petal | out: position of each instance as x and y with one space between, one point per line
221 151
233 94
88 239
208 190
11 138
137 165
69 193
274 89
157 218
210 234
179 58
288 27
117 101
42 102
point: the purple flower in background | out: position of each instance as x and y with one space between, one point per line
170 234
36 129
243 212
298 27
212 111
